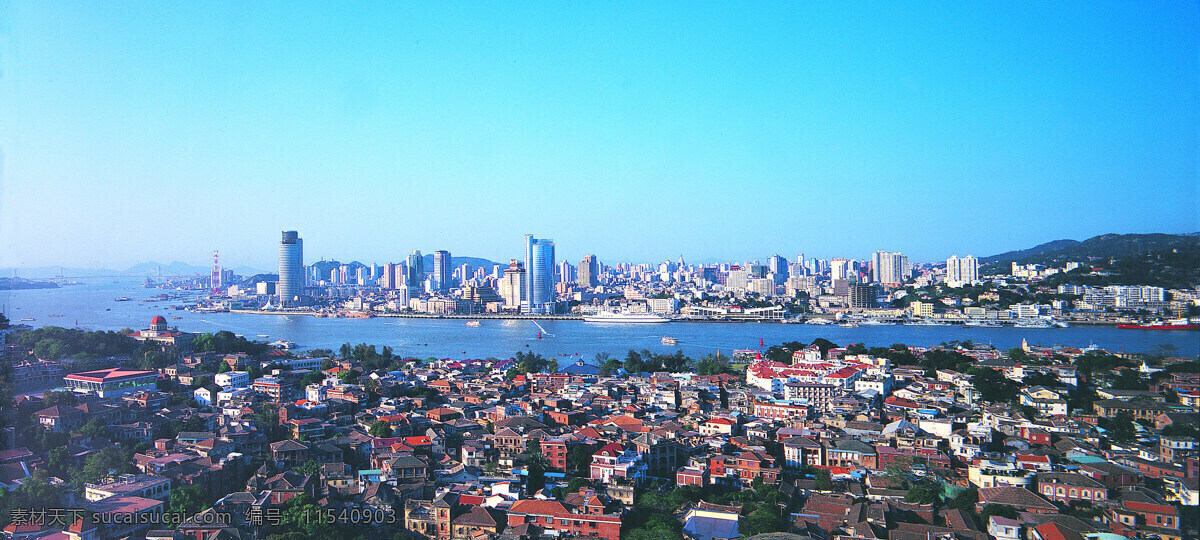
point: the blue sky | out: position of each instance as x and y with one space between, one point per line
139 131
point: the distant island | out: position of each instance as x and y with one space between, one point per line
12 284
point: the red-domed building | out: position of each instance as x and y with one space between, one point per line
159 332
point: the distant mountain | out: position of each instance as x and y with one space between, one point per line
174 269
1104 246
457 261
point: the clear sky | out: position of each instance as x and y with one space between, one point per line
139 131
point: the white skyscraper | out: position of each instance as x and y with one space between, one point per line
839 269
960 272
291 268
889 268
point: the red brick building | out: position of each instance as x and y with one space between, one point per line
586 520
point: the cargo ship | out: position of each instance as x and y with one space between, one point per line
1174 324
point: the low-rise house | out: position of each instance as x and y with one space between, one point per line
1138 512
744 468
613 462
1017 497
1068 487
707 521
551 515
130 485
1048 402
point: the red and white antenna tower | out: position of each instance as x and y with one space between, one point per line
214 279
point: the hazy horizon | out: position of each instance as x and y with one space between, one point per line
158 132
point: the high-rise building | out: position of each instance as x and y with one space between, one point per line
964 271
512 285
442 268
839 269
415 279
737 278
589 271
564 272
291 268
778 266
890 269
539 267
862 296
389 276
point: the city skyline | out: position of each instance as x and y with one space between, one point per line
160 133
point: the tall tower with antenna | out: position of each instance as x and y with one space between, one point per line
214 278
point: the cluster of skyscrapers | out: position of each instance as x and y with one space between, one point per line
538 284
529 285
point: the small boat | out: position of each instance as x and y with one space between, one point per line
176 317
55 315
849 325
472 323
668 340
27 319
264 336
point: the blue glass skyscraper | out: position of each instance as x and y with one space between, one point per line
539 277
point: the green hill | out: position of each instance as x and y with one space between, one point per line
1105 246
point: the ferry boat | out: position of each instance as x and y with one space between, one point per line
668 340
623 317
472 323
284 344
1174 324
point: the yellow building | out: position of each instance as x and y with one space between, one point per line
921 309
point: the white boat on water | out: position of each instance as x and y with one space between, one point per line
472 323
818 321
668 340
1034 323
926 322
284 344
874 322
624 317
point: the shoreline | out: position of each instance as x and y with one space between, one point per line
501 317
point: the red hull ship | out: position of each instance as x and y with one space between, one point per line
1179 324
